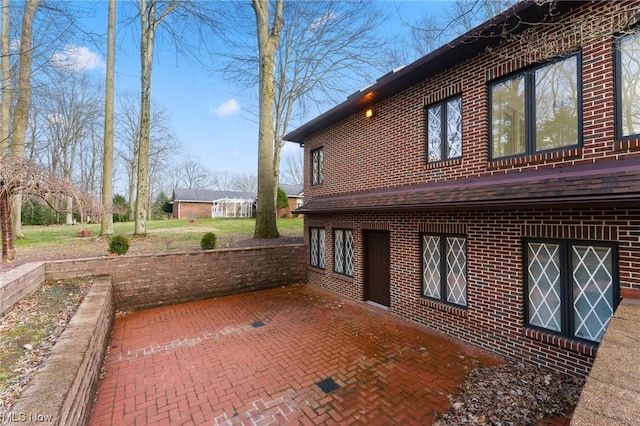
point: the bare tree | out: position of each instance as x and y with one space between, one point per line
90 161
430 31
23 103
163 144
73 108
325 47
193 15
106 225
292 167
268 39
19 175
5 105
224 180
190 173
244 182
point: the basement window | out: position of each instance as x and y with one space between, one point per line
571 287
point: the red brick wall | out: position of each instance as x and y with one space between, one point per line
389 150
187 210
494 319
145 281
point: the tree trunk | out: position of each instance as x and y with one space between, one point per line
69 210
133 176
5 105
106 225
266 226
23 104
146 59
8 252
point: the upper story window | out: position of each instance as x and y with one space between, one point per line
444 130
343 251
571 287
317 161
444 268
317 247
536 110
628 86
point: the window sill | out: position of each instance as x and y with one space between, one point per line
565 154
317 269
444 163
627 145
443 307
572 345
346 278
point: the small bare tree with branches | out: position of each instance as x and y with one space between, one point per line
19 175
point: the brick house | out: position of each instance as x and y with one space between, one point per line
491 189
205 203
295 194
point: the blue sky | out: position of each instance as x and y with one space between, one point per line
210 116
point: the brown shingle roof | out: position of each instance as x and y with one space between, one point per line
610 182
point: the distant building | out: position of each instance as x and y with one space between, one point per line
295 193
205 203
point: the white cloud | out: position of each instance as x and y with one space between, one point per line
77 59
226 108
322 21
291 147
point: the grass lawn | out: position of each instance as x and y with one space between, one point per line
60 241
178 229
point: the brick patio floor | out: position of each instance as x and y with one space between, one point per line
257 359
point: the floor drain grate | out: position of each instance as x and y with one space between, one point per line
328 385
257 324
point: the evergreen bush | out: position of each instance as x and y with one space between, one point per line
208 241
119 244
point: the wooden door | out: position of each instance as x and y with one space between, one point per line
377 267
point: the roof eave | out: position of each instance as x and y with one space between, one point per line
617 200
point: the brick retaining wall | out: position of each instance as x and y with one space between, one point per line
19 283
62 391
144 281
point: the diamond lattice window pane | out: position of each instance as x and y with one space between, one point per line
320 165
349 255
314 247
321 249
454 128
431 266
434 133
544 285
314 167
592 290
457 271
338 249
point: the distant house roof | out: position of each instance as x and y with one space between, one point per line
601 183
516 19
292 190
208 196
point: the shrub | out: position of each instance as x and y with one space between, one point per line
119 244
282 199
208 241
